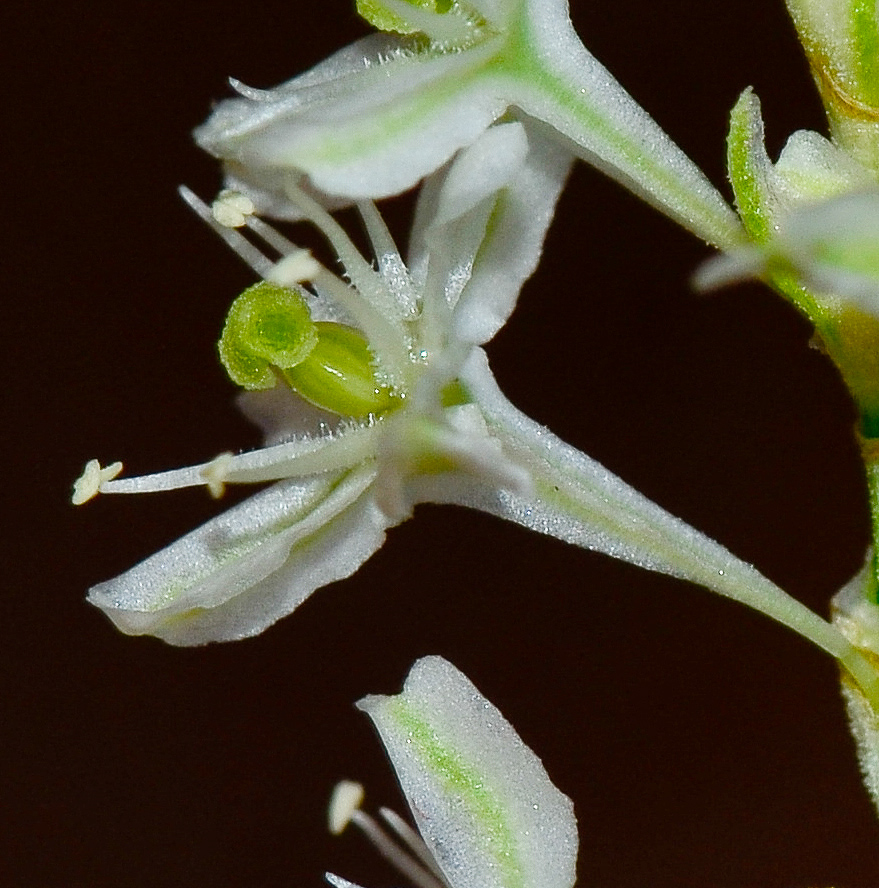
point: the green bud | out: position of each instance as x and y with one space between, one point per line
268 327
338 374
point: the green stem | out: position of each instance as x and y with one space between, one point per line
581 99
577 500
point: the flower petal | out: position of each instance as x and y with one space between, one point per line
579 501
555 79
496 232
240 572
810 172
481 798
370 121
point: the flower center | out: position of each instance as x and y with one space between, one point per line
269 334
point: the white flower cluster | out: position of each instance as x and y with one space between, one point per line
375 393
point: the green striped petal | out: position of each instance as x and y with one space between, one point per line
481 798
240 572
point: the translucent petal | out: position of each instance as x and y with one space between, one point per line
371 121
513 240
240 572
481 798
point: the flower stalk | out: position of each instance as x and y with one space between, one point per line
382 114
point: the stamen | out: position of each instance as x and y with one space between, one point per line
216 473
390 263
295 268
236 241
346 799
363 276
412 840
380 238
369 302
345 808
292 459
393 853
89 483
231 209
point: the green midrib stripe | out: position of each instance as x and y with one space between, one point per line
495 836
518 61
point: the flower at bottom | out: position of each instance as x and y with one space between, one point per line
484 805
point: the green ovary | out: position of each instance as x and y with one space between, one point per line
338 374
269 334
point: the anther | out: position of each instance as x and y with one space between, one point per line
215 474
346 799
88 484
231 209
345 808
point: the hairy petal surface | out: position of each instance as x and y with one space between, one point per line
382 114
481 799
856 613
243 570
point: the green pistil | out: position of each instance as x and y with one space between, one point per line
379 16
269 333
338 374
455 394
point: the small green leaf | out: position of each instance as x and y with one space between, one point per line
268 326
747 162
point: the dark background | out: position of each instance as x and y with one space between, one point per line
702 744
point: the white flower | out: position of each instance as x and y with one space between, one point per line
417 417
827 251
488 814
378 116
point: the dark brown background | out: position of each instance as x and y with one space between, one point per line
704 746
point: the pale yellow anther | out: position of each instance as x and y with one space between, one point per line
215 474
88 484
231 209
295 268
346 799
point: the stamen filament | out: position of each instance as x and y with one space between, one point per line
385 339
381 327
363 276
394 854
412 840
293 459
239 244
